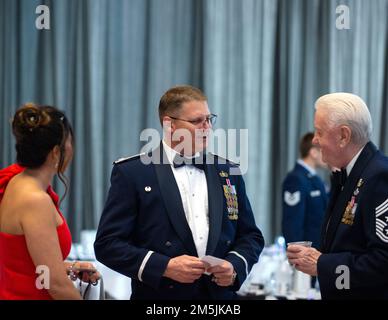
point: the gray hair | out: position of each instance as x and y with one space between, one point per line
350 110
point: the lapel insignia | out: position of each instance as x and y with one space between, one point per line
231 200
223 174
147 189
350 210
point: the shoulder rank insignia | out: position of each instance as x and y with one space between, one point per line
292 199
382 221
128 158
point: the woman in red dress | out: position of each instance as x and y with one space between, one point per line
34 236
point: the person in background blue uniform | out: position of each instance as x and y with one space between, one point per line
304 196
352 262
169 208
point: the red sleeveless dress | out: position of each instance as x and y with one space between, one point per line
17 271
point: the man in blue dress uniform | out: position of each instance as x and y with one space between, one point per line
353 260
304 196
169 208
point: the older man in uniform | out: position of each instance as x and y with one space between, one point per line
353 260
168 209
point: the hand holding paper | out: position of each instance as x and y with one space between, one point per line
222 270
212 261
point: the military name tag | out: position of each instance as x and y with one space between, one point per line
315 193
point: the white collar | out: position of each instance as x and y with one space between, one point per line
351 164
171 153
307 167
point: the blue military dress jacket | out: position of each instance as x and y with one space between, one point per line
304 205
143 225
354 263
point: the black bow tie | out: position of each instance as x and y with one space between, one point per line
180 161
340 177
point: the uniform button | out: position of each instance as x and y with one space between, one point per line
168 244
200 238
228 242
196 217
193 194
191 172
171 286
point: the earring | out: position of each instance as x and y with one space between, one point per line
56 165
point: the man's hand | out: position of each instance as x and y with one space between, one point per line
223 274
303 258
185 269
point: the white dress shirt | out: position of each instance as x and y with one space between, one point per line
192 187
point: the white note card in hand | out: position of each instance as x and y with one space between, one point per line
212 261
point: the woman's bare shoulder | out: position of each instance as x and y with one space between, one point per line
23 204
28 198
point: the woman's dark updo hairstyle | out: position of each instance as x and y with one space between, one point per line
38 129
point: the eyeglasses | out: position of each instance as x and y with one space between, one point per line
210 119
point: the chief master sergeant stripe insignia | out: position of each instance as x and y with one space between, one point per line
382 221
